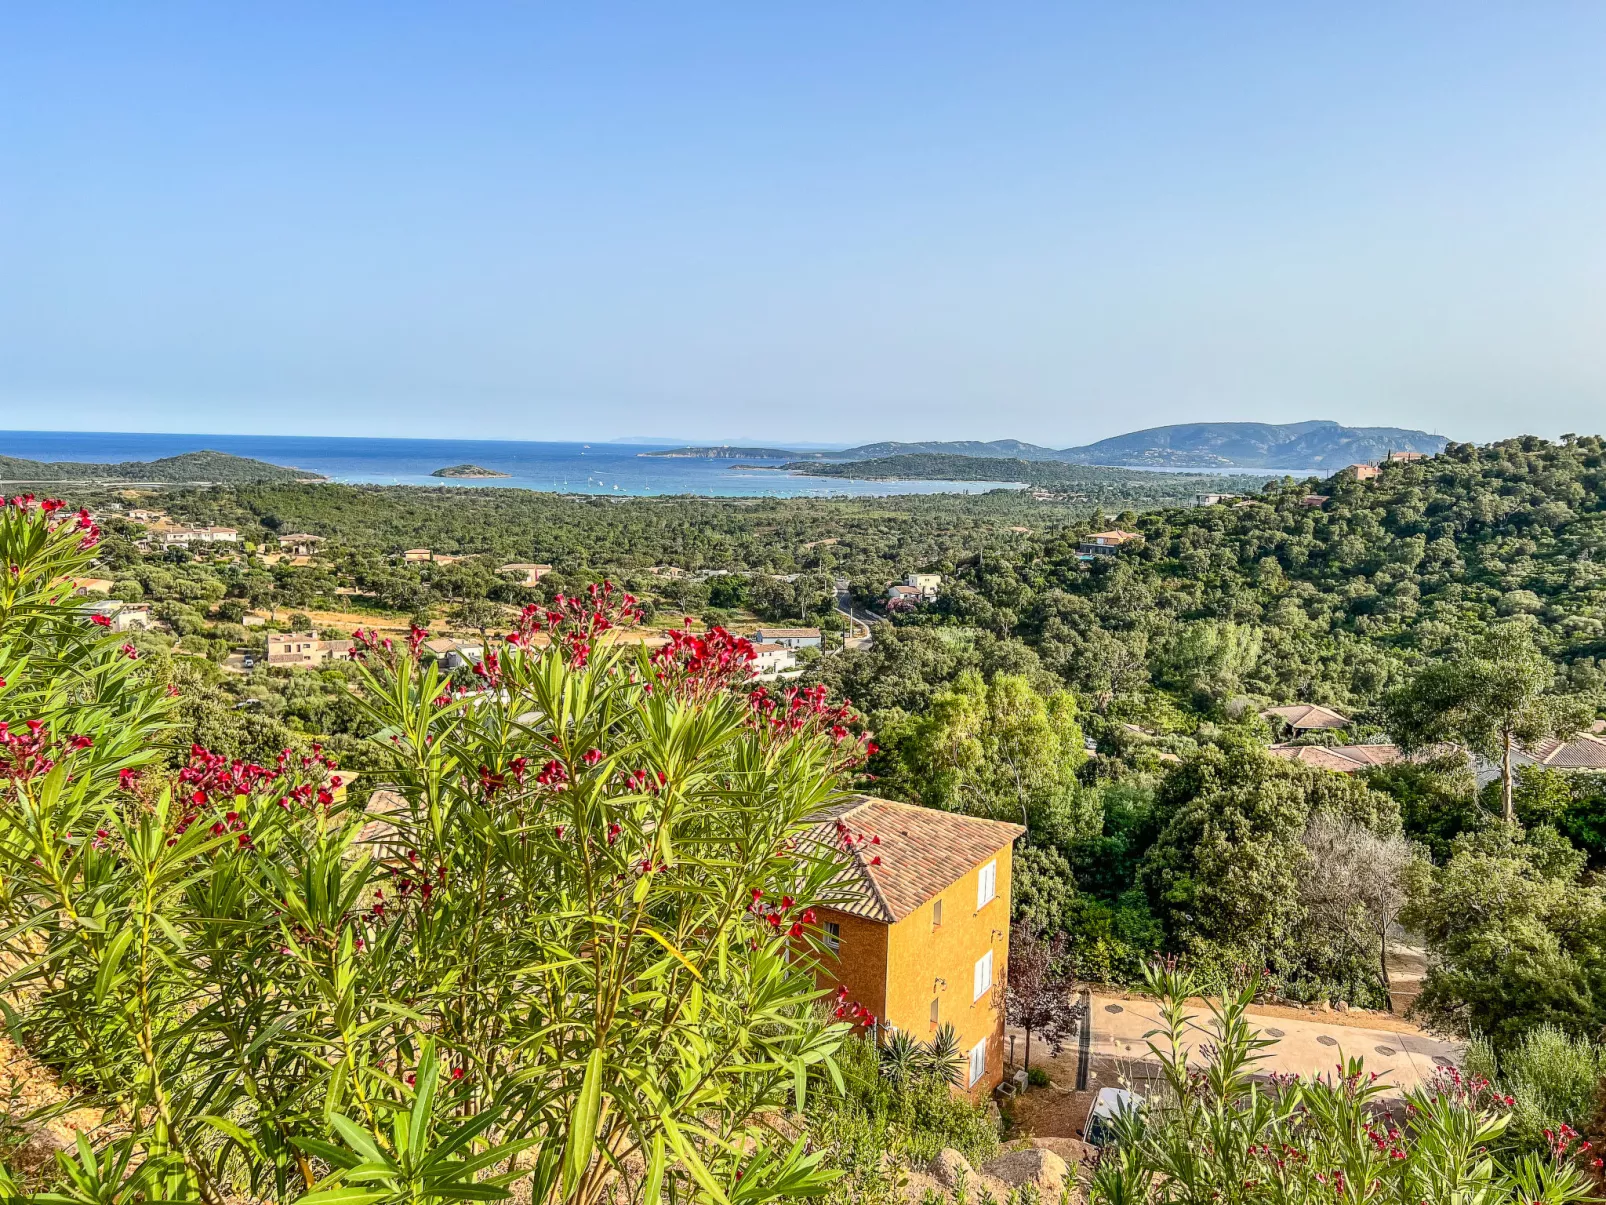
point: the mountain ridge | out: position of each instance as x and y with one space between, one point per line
1311 444
187 467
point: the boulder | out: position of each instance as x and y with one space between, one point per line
947 1167
1034 1166
1072 1150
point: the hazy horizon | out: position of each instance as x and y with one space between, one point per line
1053 223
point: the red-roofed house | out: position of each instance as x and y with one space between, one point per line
921 923
1305 717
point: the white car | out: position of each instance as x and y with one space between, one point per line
1110 1103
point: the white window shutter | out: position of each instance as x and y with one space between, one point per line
986 884
978 1062
983 980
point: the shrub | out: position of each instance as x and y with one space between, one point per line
1551 1076
576 929
1211 1132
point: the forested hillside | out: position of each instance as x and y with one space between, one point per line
204 466
1322 593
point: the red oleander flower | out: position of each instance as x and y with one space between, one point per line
591 756
101 621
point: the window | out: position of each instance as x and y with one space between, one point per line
978 1062
833 935
936 913
986 884
934 1010
983 980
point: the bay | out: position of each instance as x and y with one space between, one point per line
568 468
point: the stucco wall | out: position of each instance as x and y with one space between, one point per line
861 962
925 960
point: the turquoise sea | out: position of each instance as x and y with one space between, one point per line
570 468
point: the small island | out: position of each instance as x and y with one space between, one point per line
467 470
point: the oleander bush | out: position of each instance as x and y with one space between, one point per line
566 951
1218 1131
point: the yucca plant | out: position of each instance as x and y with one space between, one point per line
571 943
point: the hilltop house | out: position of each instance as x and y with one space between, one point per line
1362 472
1213 499
773 659
1300 718
904 594
792 638
1406 457
920 935
414 556
927 583
195 533
451 652
304 649
1104 543
123 617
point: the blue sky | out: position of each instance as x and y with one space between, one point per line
821 221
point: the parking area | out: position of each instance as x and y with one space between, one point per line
1115 1053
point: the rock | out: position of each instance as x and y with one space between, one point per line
1072 1150
40 1148
1342 1006
946 1168
1034 1166
1324 1007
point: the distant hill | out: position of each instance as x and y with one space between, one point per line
1309 445
219 467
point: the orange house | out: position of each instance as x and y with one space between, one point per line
921 927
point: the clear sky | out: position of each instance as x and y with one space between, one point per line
817 221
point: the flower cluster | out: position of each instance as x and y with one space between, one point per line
852 1010
211 776
849 841
80 520
780 915
23 755
808 711
573 623
700 665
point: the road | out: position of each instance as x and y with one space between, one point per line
859 617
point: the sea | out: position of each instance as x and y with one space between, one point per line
568 468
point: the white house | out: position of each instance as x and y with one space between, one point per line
927 583
773 659
124 617
792 638
451 652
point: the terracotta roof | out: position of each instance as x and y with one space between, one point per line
1307 715
792 633
1115 536
1344 759
899 855
1584 752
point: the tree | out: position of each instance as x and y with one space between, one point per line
578 924
998 749
478 613
1493 693
1354 882
1037 993
1224 872
1516 937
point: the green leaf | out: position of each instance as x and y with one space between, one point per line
583 1123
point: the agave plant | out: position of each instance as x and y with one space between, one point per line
942 1058
902 1059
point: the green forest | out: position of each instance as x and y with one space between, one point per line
1452 608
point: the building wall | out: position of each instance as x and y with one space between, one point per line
920 954
860 963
